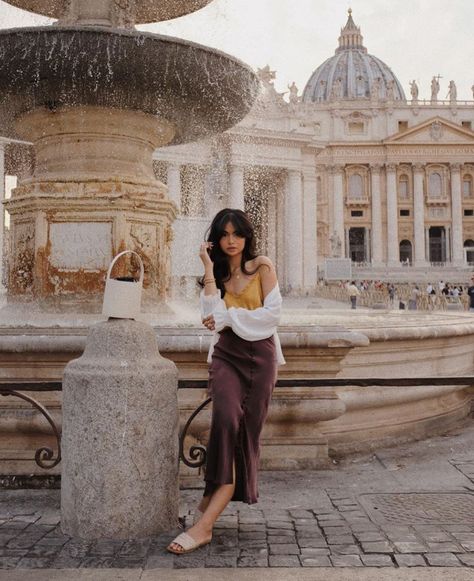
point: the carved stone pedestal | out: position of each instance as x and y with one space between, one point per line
92 194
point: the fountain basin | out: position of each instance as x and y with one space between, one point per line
142 12
199 91
305 425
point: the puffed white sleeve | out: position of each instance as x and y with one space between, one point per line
208 303
214 305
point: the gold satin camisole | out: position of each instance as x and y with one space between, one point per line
251 297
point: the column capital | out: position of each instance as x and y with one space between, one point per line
390 167
419 167
455 167
336 168
376 167
294 172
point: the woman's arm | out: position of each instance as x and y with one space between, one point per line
210 287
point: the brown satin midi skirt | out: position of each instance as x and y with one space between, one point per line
242 376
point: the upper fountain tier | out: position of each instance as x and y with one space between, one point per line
198 90
117 13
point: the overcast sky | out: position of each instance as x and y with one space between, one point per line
416 38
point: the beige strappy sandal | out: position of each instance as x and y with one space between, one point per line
187 542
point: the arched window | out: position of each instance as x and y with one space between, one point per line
467 186
403 187
435 185
405 252
356 186
469 251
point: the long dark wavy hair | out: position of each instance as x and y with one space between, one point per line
243 227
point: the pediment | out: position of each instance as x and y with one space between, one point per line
436 131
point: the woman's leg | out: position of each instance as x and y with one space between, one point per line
204 503
216 503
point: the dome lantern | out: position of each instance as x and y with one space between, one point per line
351 36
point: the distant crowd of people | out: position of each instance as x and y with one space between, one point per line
355 288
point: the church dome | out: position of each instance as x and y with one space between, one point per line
352 73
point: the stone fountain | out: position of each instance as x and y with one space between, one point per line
96 97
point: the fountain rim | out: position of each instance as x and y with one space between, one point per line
57 14
130 34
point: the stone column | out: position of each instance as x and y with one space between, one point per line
237 200
367 245
294 230
456 216
338 204
427 243
174 183
377 247
2 211
393 252
310 239
419 216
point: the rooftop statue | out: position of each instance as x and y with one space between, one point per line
337 89
269 93
434 89
452 92
414 91
375 90
391 90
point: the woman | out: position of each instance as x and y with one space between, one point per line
241 303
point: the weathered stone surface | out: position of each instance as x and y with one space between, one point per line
120 467
410 560
442 560
346 561
377 560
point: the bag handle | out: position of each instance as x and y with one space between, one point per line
142 270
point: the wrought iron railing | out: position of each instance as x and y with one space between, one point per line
45 458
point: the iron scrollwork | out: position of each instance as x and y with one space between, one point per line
44 456
197 453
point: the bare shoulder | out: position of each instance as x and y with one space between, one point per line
267 272
263 261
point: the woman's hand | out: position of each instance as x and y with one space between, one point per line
209 322
204 254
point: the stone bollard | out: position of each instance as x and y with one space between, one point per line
120 436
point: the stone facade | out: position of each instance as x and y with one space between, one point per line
390 178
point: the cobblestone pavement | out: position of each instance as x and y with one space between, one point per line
412 506
343 536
